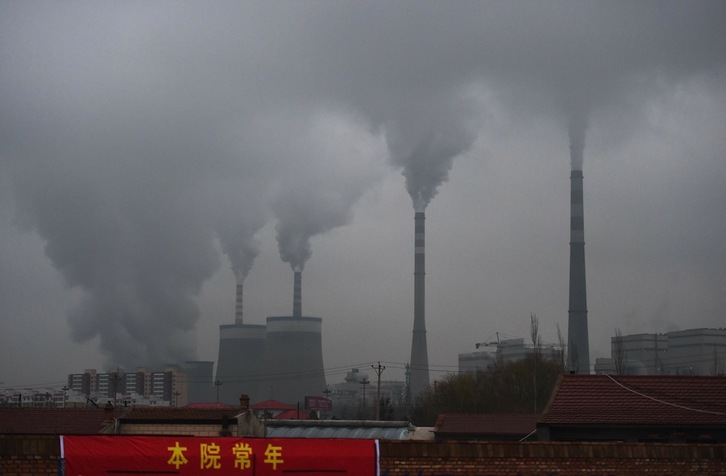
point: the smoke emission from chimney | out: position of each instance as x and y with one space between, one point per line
425 144
577 129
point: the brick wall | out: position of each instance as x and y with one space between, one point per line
29 456
38 455
406 458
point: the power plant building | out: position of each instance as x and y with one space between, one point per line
507 350
687 352
282 360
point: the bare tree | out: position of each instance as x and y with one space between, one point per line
536 344
618 352
561 348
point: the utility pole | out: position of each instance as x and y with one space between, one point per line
364 382
65 394
379 370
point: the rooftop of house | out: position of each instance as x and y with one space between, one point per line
637 400
506 425
183 414
55 421
386 430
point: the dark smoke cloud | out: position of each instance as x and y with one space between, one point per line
138 138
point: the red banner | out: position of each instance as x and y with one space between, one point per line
142 455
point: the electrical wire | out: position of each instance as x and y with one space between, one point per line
663 401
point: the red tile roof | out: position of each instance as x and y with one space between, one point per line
54 421
637 400
209 405
480 424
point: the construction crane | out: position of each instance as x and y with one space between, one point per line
488 343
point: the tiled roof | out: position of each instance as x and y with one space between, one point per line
637 400
385 430
183 414
209 405
472 424
54 421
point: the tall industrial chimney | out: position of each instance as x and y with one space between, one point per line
419 370
238 305
578 355
297 295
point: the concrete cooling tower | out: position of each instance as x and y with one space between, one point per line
294 359
578 347
199 375
240 366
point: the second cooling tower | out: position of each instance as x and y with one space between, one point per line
294 358
240 367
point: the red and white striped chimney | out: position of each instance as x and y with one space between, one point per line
419 370
578 346
238 305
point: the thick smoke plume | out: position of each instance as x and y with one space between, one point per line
577 130
341 164
240 218
138 137
426 142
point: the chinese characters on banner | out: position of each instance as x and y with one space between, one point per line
92 455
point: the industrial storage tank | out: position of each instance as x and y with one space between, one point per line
294 359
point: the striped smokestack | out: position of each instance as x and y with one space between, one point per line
297 295
238 306
419 372
578 355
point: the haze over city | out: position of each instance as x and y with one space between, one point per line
152 154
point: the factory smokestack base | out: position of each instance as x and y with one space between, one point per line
297 295
578 347
419 370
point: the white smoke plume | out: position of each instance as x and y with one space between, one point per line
342 159
240 218
577 131
425 142
138 136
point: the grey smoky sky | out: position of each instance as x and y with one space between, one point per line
153 153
